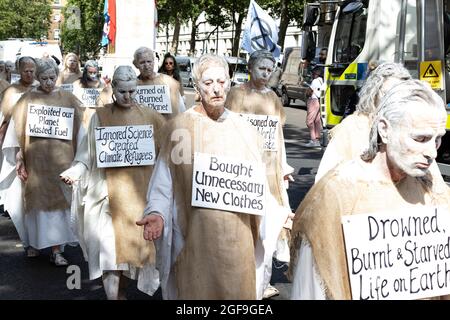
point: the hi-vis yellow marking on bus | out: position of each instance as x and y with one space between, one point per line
431 72
350 74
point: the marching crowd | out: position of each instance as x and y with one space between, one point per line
143 212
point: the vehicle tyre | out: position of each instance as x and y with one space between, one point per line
285 98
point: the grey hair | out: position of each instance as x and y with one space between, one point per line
259 55
123 73
45 64
206 61
139 52
374 88
91 63
394 106
22 60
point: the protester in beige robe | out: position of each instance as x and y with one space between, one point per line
3 82
350 138
27 68
393 174
46 210
10 96
207 253
90 79
253 97
115 198
144 61
71 71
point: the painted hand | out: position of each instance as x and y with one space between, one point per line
153 226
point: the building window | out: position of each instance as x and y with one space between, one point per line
57 18
58 2
56 34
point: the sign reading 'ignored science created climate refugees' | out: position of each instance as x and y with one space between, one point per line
398 255
50 122
156 97
125 146
228 184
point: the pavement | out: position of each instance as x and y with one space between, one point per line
23 278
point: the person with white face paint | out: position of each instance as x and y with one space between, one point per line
144 61
3 83
27 68
206 253
91 90
392 174
255 98
9 69
115 197
349 138
71 71
43 214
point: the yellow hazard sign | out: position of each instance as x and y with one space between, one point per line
431 72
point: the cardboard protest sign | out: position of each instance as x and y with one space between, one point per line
15 78
125 146
398 255
229 184
156 97
50 122
89 97
67 87
268 127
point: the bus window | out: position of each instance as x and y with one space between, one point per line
351 32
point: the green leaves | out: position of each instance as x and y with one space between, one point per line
24 19
82 27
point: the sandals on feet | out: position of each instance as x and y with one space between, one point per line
58 259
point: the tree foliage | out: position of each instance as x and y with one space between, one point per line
82 27
24 19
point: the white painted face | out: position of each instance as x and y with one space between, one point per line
125 92
72 63
145 64
27 71
92 73
47 79
261 71
213 87
411 146
9 66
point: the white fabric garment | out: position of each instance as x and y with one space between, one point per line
93 218
32 227
182 105
161 201
306 284
316 86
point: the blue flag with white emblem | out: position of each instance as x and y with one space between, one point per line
260 32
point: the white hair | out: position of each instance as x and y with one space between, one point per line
394 106
376 85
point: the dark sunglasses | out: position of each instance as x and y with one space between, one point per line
169 63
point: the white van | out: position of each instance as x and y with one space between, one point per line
238 70
185 65
39 49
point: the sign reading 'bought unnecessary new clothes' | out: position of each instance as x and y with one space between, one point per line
228 184
398 255
125 146
50 122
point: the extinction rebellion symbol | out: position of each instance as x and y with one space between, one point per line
259 42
